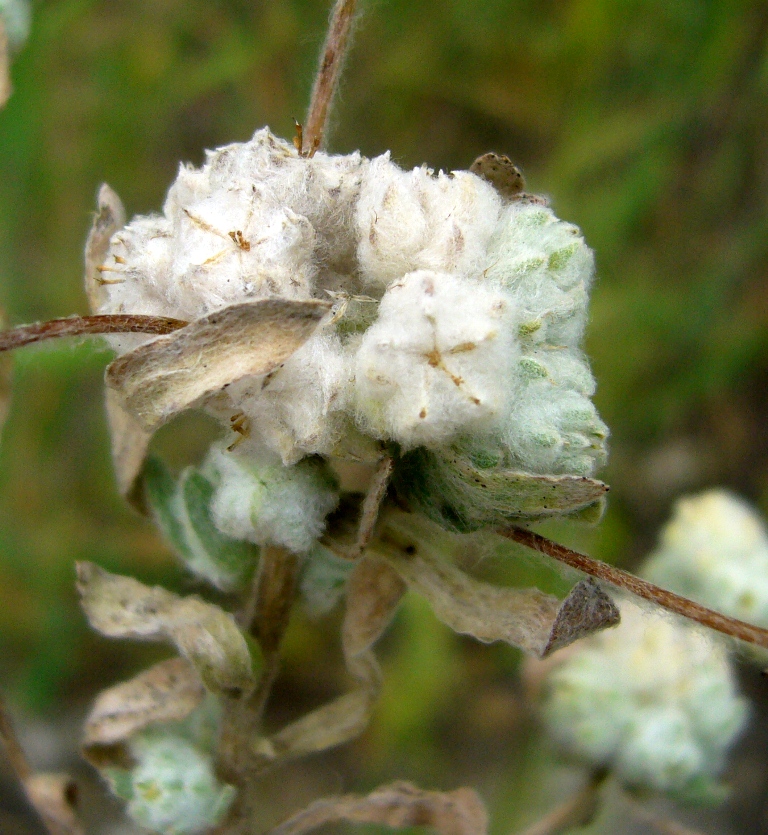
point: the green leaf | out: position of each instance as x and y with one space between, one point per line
324 579
182 512
452 490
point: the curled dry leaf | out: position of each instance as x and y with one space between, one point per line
109 218
54 797
172 373
527 618
130 444
330 725
400 804
204 634
276 580
374 591
167 692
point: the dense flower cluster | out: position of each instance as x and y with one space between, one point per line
653 699
456 312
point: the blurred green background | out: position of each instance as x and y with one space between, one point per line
644 121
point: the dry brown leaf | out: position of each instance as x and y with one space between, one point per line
172 373
130 444
5 66
167 692
54 797
333 724
374 591
276 579
401 804
109 218
587 609
536 622
204 634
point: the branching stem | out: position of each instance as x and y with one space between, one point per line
327 78
642 588
87 326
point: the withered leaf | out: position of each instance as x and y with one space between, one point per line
130 443
527 618
452 490
172 373
276 579
167 692
587 609
400 804
206 635
109 218
332 724
374 591
54 797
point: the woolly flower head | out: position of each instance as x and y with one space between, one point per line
652 699
457 310
172 789
715 551
16 17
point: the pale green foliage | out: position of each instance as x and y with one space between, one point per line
715 551
256 498
652 699
181 509
172 789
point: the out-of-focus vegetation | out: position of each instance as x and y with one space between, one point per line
645 121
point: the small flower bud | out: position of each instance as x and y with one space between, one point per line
173 789
256 498
715 551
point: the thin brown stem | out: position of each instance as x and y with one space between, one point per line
577 810
327 78
87 326
5 66
642 588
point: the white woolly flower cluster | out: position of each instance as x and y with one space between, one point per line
457 311
257 499
652 699
16 17
457 316
173 790
715 551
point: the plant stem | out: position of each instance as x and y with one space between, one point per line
327 78
87 326
642 588
5 66
578 810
